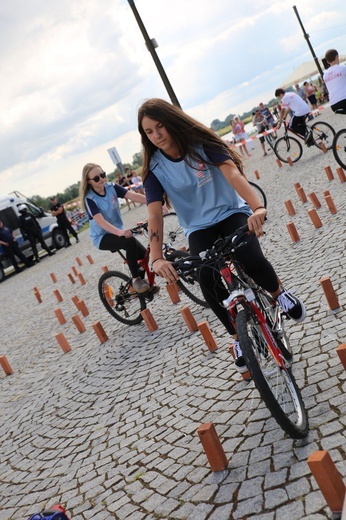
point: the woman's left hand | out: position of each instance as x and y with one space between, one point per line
256 221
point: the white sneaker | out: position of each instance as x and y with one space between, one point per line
140 286
292 306
239 359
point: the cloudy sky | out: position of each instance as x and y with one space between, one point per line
73 73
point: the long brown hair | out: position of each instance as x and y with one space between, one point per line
186 131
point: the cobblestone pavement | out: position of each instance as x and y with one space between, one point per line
109 430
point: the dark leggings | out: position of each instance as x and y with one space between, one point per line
298 125
251 257
134 249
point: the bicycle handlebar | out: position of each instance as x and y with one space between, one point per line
137 230
220 247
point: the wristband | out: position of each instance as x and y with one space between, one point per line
151 265
153 261
253 211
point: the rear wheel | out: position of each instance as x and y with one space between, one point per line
339 148
288 147
260 193
323 133
188 284
276 385
119 299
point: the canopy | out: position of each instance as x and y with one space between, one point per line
305 71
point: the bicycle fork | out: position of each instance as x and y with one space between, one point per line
246 299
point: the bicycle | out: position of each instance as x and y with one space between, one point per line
124 304
290 147
258 320
339 143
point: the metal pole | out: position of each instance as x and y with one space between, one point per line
151 49
306 36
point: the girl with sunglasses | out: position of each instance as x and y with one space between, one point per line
101 201
188 164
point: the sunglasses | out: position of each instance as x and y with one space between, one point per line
98 177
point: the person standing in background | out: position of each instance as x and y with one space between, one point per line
9 243
238 130
300 91
31 230
260 122
65 225
310 91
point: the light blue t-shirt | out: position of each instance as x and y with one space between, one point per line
108 206
199 192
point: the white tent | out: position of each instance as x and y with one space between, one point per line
304 72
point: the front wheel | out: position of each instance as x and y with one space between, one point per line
288 147
339 148
275 384
120 300
323 133
188 284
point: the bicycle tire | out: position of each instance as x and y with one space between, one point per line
260 193
276 385
323 133
123 305
265 303
189 280
339 148
270 140
173 233
288 147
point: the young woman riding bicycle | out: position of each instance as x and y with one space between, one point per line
100 199
191 166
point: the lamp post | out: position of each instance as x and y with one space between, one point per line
306 36
151 46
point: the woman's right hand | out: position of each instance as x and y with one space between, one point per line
127 233
165 269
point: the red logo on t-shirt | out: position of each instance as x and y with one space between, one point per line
200 167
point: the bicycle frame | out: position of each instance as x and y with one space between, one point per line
144 264
288 129
246 298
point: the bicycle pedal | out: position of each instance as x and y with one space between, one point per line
155 289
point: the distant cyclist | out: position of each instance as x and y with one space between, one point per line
335 81
291 101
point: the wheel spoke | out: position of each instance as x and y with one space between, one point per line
119 298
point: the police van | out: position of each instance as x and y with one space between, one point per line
9 214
